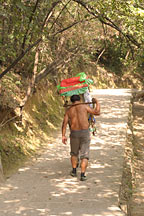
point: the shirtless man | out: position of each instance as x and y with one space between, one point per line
77 115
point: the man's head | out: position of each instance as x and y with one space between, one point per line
75 98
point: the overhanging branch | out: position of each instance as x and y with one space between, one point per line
70 26
105 20
56 65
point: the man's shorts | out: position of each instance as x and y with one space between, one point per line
80 143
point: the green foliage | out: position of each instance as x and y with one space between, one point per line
116 26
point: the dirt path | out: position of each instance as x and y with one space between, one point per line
45 187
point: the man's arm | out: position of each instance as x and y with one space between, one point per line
96 110
64 125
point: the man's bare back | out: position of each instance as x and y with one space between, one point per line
77 115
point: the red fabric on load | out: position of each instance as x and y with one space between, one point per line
70 82
73 88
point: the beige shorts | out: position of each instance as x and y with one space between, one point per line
80 143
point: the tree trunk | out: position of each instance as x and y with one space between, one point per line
32 83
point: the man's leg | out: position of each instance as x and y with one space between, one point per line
84 153
74 143
74 161
84 164
74 165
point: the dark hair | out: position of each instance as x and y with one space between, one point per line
75 98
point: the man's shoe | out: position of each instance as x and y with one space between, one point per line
73 174
83 178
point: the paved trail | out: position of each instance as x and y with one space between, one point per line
45 188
